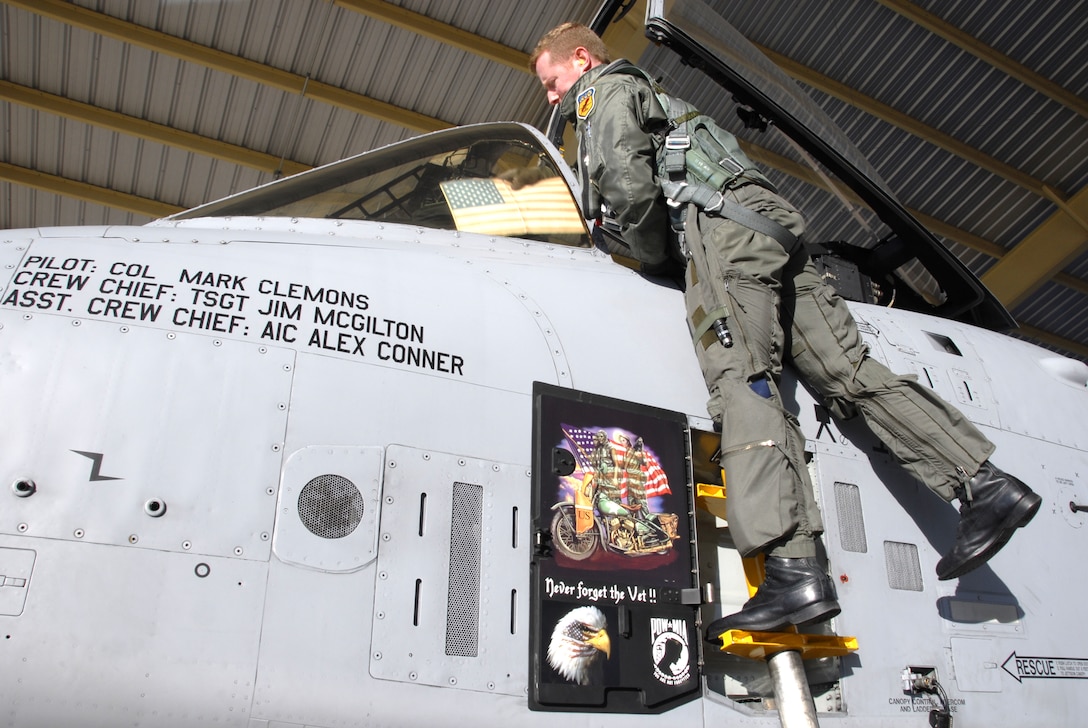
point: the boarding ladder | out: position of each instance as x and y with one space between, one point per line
784 652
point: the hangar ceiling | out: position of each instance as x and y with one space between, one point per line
975 112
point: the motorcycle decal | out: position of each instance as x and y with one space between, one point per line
618 487
614 591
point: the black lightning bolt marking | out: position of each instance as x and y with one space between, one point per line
96 465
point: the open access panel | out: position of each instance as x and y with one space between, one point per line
614 581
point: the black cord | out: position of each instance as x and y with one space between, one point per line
941 716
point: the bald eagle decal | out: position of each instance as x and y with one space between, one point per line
578 641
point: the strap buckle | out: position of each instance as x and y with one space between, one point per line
675 159
731 166
676 141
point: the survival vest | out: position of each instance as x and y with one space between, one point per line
699 160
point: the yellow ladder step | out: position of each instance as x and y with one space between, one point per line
761 645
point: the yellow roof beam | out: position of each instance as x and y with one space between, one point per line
294 83
1003 63
144 129
86 192
188 51
1044 252
442 32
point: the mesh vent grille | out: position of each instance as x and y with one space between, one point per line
851 522
463 599
904 568
330 506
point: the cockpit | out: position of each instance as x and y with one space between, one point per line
497 179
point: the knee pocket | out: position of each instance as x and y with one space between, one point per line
754 321
825 344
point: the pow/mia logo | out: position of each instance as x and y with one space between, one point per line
585 102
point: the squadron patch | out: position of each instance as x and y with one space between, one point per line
585 102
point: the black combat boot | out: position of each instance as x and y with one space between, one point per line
995 505
795 591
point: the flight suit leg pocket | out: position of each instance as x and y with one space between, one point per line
754 323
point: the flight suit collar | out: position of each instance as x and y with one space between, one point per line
568 107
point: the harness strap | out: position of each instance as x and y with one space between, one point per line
714 202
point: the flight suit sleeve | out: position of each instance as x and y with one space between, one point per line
620 154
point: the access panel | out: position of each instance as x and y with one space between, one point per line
614 587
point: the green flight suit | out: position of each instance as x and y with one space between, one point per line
779 309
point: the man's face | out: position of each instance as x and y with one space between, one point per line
558 76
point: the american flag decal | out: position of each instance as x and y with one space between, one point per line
472 193
493 207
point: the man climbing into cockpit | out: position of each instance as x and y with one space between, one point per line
753 300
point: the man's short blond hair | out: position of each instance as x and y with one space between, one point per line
561 41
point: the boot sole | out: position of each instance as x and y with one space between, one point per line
1020 515
811 614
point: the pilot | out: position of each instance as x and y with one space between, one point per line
777 308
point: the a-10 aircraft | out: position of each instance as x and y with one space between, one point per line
320 454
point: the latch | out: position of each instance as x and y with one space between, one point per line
15 568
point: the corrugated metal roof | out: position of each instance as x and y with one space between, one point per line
890 62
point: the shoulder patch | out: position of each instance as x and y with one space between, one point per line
585 102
